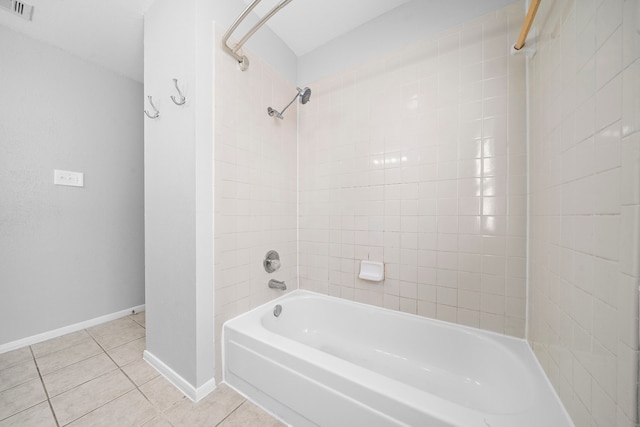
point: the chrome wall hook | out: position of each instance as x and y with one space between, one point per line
156 114
182 97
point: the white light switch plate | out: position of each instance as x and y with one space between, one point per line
73 179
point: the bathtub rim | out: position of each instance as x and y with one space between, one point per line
297 293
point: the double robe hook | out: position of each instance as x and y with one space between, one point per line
179 100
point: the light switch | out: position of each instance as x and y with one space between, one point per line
73 179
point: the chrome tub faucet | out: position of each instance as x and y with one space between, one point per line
277 284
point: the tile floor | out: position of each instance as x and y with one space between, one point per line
96 377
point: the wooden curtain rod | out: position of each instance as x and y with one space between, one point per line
526 25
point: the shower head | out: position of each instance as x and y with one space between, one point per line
304 94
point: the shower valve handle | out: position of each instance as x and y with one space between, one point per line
271 261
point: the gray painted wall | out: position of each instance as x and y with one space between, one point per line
179 189
67 254
179 176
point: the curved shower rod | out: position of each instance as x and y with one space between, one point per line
243 61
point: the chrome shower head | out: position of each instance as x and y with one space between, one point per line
305 94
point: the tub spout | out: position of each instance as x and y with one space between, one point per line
277 284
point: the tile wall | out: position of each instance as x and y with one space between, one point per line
585 206
418 160
255 186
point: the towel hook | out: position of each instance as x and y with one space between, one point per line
182 98
156 114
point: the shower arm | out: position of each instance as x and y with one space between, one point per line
294 98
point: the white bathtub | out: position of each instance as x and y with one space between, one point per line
331 362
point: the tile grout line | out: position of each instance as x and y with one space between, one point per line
234 410
156 413
103 350
44 387
117 368
136 387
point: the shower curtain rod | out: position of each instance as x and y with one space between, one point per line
526 25
243 61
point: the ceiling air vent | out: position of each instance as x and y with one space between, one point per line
18 8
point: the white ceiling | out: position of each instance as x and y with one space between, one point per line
298 23
107 32
110 32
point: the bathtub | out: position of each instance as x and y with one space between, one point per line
332 362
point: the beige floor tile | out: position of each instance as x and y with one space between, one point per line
140 372
161 393
15 357
36 416
249 415
208 412
68 356
79 373
18 374
158 421
131 409
21 397
60 343
116 333
83 399
140 318
129 352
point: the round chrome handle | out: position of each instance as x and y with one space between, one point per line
271 261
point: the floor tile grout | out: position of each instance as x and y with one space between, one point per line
155 411
46 392
118 367
137 387
230 413
34 359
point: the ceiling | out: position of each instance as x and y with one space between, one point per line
110 32
105 32
296 23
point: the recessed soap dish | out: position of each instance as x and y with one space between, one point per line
372 271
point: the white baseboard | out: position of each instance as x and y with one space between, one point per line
195 394
14 345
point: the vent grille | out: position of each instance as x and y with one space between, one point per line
17 7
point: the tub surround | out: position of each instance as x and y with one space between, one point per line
255 186
418 159
585 207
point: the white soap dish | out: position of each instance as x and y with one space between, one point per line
371 270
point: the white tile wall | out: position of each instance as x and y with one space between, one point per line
585 175
255 186
418 159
